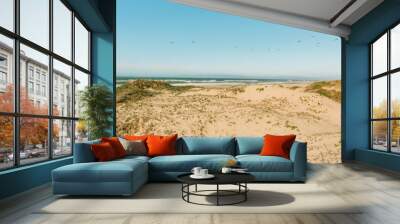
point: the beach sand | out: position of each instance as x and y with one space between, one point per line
241 110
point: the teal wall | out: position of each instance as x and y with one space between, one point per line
356 82
99 15
24 178
103 64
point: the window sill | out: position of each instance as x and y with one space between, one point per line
25 167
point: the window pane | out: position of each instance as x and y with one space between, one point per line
33 139
35 21
379 97
7 14
62 89
81 45
62 29
81 131
379 135
379 55
395 47
34 97
6 74
62 138
6 142
395 94
395 136
81 82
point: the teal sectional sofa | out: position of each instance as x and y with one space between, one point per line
125 176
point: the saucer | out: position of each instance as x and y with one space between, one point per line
208 176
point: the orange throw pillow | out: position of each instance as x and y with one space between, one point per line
103 152
136 137
275 145
116 145
161 145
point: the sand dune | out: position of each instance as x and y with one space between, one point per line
240 110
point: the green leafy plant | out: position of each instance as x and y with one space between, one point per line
96 103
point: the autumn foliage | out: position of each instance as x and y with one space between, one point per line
380 127
33 131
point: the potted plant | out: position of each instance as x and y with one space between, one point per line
96 102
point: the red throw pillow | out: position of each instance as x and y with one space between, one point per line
116 145
103 152
161 145
277 145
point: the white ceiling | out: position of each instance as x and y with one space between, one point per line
321 9
327 16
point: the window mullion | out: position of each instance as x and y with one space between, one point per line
16 84
50 81
389 104
73 81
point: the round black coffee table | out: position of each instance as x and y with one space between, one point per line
238 179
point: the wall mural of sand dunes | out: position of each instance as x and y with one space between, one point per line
309 109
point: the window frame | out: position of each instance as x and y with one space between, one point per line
16 114
388 74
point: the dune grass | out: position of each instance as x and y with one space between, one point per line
330 89
141 89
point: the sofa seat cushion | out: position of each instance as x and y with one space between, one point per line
133 157
257 163
185 163
112 171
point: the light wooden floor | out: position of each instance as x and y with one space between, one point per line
379 189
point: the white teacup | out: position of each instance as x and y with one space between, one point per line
196 171
226 170
203 172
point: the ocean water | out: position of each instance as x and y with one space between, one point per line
208 81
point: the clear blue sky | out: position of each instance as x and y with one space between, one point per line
158 37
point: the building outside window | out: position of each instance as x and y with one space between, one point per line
30 87
30 72
3 71
43 90
44 77
37 75
3 61
3 78
38 89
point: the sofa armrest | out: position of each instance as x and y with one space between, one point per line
83 152
298 155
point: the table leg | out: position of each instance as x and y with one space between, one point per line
195 188
188 190
217 194
245 193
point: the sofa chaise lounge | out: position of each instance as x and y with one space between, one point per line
125 176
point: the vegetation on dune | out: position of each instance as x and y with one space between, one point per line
236 89
330 89
140 89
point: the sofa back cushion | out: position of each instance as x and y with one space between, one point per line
249 145
206 145
83 152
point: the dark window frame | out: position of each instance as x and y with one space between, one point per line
388 74
16 114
